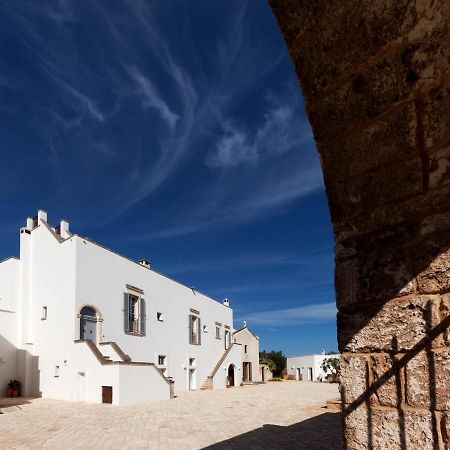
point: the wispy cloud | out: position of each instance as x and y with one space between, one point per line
309 314
151 98
279 132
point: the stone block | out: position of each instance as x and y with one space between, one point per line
389 392
384 141
383 186
430 206
353 377
360 100
417 380
394 326
437 131
439 168
428 380
320 46
389 429
381 270
435 277
444 310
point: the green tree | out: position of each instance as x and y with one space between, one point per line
330 365
269 363
277 357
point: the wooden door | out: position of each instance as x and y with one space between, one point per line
107 394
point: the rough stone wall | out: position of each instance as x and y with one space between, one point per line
376 80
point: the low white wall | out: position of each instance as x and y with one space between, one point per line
304 363
139 384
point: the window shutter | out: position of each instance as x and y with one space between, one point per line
190 328
126 312
142 316
199 331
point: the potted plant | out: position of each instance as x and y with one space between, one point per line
14 385
229 380
9 389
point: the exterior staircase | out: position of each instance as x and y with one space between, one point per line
208 383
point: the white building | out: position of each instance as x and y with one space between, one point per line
81 322
307 368
251 371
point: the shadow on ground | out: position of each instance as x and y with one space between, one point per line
322 432
9 404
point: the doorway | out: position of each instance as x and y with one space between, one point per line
81 387
298 374
107 394
247 371
230 376
262 374
88 324
310 374
192 380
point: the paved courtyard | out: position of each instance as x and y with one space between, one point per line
276 415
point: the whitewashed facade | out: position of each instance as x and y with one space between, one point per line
81 322
308 367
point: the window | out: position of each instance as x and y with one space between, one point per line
161 360
217 332
56 371
191 362
194 330
159 316
227 339
245 349
134 315
44 313
205 329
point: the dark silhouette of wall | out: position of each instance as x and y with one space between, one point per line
376 80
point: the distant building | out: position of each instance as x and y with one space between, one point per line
251 371
307 368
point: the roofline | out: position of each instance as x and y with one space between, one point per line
243 328
148 268
8 258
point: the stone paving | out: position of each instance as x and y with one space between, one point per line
276 415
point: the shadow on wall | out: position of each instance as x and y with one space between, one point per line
415 379
21 365
322 432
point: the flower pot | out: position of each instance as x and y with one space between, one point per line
9 392
15 393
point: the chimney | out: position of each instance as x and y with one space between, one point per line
226 302
42 215
30 223
322 351
145 263
64 229
245 323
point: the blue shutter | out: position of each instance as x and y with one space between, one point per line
142 316
126 312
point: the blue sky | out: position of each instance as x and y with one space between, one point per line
173 131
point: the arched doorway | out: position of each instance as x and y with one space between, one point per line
230 376
88 323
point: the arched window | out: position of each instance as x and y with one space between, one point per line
88 323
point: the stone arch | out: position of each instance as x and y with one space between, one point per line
376 81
